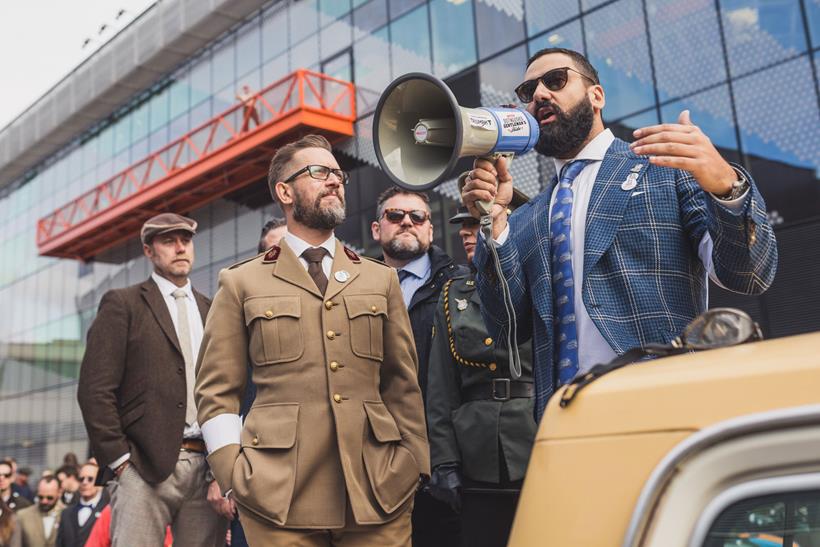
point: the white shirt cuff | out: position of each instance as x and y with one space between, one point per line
221 431
119 461
734 205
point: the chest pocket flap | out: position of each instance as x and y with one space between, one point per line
271 426
273 329
367 314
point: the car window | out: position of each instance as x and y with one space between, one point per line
787 520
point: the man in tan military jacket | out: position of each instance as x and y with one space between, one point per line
334 445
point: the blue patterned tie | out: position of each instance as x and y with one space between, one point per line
566 332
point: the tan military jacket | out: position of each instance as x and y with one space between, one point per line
338 413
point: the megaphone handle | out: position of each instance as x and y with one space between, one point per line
486 207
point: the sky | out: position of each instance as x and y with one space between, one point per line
41 42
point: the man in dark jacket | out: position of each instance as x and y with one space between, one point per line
77 520
404 230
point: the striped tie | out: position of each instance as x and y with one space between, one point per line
563 294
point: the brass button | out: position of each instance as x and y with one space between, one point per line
337 397
331 334
329 305
334 366
268 314
373 309
255 441
493 367
488 341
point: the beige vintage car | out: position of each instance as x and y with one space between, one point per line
718 448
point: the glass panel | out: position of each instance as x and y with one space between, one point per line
712 112
369 17
371 76
500 75
813 13
122 134
201 80
274 69
224 65
780 136
674 26
274 32
332 9
617 49
791 519
400 7
499 24
180 102
410 49
305 54
568 36
248 49
336 36
453 36
586 5
159 110
339 67
761 32
303 20
544 14
623 128
139 124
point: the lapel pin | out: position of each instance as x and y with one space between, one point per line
636 168
461 304
341 276
630 182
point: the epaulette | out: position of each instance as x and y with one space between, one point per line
245 261
376 261
349 252
272 255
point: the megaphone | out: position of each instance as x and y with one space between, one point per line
420 131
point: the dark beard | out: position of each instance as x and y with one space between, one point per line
314 216
396 251
563 137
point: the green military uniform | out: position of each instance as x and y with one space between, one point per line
467 425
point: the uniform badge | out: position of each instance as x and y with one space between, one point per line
272 255
341 276
470 283
461 304
352 255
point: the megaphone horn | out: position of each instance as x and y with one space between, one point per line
420 131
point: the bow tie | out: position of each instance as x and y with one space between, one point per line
89 505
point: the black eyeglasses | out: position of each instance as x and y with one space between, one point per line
320 172
417 216
554 80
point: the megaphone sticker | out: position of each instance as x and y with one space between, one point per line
482 122
514 123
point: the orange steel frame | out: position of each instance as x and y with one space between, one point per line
214 159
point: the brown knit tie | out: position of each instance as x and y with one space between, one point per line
314 257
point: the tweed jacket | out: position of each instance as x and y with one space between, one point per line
132 389
30 522
338 417
643 278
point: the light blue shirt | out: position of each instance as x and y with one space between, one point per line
419 270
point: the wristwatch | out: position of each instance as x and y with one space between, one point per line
739 187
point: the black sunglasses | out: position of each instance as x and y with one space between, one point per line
417 216
86 479
554 80
6 475
320 172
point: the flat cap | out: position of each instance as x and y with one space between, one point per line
164 223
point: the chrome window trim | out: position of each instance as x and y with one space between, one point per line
701 440
747 490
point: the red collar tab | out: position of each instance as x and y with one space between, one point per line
352 255
272 255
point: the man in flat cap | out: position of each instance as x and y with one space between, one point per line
334 445
136 395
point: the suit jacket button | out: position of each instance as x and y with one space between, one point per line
337 397
488 341
331 335
334 366
255 441
329 305
180 370
180 405
373 309
268 314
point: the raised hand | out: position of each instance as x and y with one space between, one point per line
684 146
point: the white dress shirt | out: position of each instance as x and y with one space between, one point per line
49 520
592 346
298 246
85 512
166 288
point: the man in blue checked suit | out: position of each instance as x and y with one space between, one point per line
616 251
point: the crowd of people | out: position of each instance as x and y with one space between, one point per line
327 398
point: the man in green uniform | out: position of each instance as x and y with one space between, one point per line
480 421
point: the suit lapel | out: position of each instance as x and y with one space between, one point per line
609 200
341 262
203 304
288 268
151 294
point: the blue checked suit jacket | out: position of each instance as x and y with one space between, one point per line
643 279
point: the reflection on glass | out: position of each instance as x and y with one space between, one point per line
332 9
223 65
248 49
336 36
371 15
453 36
711 111
303 20
543 14
305 54
180 101
400 7
500 75
498 26
159 110
139 127
370 69
813 14
201 80
568 37
616 37
274 32
410 49
761 32
685 45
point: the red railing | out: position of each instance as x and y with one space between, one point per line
302 100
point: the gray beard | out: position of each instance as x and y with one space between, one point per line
398 251
316 218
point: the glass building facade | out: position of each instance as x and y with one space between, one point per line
746 69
